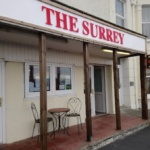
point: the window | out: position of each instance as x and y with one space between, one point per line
120 17
59 79
63 78
34 78
146 20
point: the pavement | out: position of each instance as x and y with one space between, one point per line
137 141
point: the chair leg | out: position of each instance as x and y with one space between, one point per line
33 130
38 134
81 123
53 129
53 132
78 124
68 123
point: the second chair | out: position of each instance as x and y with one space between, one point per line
75 107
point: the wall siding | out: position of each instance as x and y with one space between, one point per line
23 53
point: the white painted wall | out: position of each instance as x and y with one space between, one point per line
19 119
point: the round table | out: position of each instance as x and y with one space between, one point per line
59 112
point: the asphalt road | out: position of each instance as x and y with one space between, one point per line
137 141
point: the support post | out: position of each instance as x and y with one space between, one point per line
87 92
116 90
143 86
43 91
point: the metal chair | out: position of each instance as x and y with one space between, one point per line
75 105
37 120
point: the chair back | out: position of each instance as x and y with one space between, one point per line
75 105
34 111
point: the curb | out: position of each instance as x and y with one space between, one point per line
122 134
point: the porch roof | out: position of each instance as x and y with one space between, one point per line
13 34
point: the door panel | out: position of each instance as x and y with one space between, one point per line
100 103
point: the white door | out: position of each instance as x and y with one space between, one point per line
1 116
99 85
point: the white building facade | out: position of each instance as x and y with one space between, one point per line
19 57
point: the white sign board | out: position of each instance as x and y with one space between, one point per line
42 15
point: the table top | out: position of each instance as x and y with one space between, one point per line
58 110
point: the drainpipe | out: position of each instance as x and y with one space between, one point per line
133 4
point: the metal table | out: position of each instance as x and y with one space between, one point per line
60 113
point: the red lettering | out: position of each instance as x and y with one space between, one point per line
109 35
115 35
102 33
121 36
85 30
48 14
73 24
60 20
92 30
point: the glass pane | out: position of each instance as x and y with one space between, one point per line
98 80
63 78
146 29
145 13
120 21
34 78
119 8
148 85
147 72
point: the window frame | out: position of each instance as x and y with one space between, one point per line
148 38
72 79
53 90
118 15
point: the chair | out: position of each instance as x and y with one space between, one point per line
37 120
75 107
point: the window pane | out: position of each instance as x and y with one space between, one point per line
147 72
148 85
119 21
145 13
119 8
98 80
63 78
146 29
34 78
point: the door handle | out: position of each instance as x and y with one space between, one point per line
0 101
92 91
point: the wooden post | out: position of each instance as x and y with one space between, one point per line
87 92
43 91
143 86
116 90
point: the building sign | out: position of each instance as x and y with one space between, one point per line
83 27
42 15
